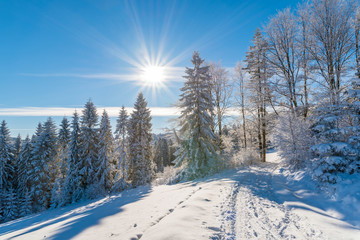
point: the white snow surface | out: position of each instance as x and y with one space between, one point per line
263 201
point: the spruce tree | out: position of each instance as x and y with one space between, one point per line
197 149
141 170
6 159
73 188
105 162
44 165
89 145
121 152
172 151
10 206
24 167
57 193
16 152
6 171
161 154
25 204
17 146
64 139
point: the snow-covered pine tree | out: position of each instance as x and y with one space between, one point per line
10 205
38 131
73 183
17 146
121 152
141 170
89 136
6 159
161 155
57 193
23 168
44 166
64 139
105 163
197 148
16 152
333 152
6 169
172 151
25 204
23 188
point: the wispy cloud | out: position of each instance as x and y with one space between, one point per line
112 111
104 76
58 111
171 74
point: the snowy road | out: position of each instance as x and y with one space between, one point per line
256 202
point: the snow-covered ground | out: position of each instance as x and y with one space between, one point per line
264 201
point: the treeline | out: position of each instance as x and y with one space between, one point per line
81 160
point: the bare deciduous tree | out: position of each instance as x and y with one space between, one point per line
332 45
283 56
221 91
239 83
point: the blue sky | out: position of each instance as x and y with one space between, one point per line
58 54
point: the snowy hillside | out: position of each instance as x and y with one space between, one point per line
257 202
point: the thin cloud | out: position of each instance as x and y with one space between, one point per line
104 76
112 111
57 111
172 74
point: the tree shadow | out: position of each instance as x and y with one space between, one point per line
298 194
301 193
76 218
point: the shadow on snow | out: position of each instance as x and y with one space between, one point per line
77 218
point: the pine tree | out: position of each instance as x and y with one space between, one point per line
105 163
64 139
16 152
25 204
121 152
57 193
6 159
161 154
10 206
89 145
197 149
44 165
17 146
172 150
6 171
73 188
24 167
38 131
141 170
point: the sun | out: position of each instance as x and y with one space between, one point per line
153 75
